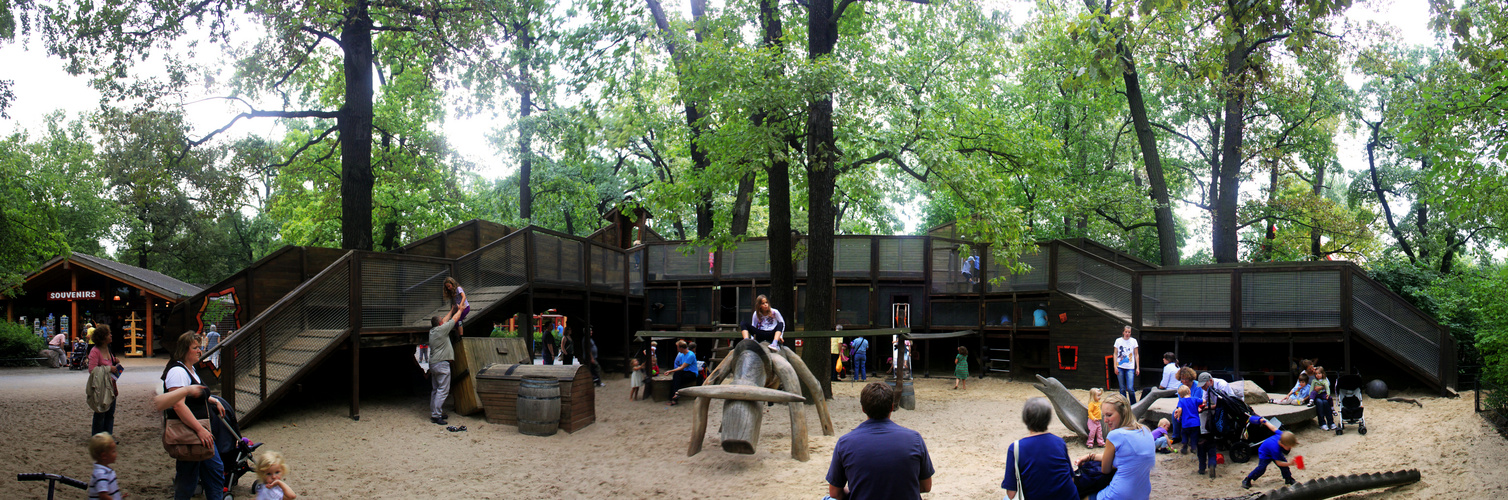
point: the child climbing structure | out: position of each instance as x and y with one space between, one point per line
304 304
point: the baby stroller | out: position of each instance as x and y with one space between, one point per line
1348 390
1234 429
235 451
78 358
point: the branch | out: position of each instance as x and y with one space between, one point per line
322 34
296 66
265 114
301 149
1258 44
843 5
1123 225
393 28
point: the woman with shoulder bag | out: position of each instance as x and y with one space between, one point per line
191 414
1037 466
104 369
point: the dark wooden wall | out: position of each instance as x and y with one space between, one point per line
1093 332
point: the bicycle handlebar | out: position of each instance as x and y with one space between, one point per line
40 476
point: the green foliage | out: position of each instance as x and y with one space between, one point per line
17 341
29 217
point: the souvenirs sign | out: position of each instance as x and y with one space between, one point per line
75 295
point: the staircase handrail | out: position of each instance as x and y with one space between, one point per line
477 254
280 305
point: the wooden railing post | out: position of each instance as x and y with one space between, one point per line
354 282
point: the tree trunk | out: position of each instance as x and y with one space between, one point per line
1319 190
1448 258
1270 230
525 128
743 202
782 251
699 158
1167 226
1382 198
1224 235
822 176
355 125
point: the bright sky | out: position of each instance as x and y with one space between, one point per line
41 87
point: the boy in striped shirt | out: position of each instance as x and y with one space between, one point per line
102 484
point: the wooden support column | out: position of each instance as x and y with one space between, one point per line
151 330
1345 317
73 307
10 311
1235 323
354 331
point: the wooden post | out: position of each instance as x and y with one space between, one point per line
354 307
10 310
1345 317
73 305
151 332
1235 323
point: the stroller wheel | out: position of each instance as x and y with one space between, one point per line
1362 430
1239 454
1340 430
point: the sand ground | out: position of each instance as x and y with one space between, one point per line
638 449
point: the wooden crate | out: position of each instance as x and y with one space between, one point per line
478 353
497 387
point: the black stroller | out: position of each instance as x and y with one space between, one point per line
235 452
1348 389
78 358
1234 428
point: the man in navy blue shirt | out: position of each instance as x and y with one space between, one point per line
879 459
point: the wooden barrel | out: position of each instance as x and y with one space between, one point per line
908 395
538 406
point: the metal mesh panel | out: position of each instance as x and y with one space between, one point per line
668 263
1094 281
1389 322
401 292
750 260
696 306
557 259
293 335
901 257
853 305
955 314
499 265
607 268
662 305
636 272
1309 299
851 257
1035 279
1186 300
947 269
998 313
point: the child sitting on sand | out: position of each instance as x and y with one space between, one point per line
1274 450
1095 416
1300 392
270 471
102 483
1160 437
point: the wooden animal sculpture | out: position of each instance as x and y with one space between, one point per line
1072 413
746 378
1333 486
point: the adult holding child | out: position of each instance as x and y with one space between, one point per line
1129 453
1127 363
190 410
440 355
1037 465
766 324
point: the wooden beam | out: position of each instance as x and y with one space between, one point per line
354 310
151 331
73 307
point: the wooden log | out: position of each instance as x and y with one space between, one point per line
698 425
743 419
812 385
787 373
741 393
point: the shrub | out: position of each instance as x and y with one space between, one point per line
17 341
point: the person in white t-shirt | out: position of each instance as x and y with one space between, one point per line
1127 364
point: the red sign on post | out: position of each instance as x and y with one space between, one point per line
798 342
75 295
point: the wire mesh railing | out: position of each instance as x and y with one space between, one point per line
750 259
401 290
901 257
1199 300
608 267
557 259
851 256
1291 299
1001 279
1089 277
271 348
667 262
1391 323
636 271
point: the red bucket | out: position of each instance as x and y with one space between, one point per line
1298 461
1220 458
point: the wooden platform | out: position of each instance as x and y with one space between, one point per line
1287 414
